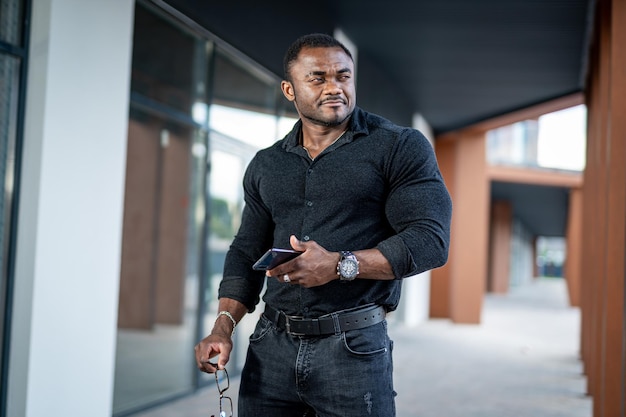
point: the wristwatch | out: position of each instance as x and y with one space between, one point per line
348 266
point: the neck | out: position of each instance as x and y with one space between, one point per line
317 147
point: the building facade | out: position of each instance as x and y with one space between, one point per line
133 143
125 129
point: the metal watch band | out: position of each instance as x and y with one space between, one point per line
348 266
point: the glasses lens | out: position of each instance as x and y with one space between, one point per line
226 407
222 380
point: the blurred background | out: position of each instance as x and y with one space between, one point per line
126 127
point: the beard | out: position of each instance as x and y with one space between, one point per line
336 121
314 115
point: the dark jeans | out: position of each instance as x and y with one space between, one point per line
343 375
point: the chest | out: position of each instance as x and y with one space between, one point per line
344 177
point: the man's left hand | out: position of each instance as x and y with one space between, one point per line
316 266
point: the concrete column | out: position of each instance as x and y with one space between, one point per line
70 219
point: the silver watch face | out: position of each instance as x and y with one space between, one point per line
348 268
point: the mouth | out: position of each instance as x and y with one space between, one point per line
333 102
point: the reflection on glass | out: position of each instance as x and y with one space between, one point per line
226 203
162 59
257 129
172 260
253 128
11 12
159 271
9 84
225 209
242 119
164 217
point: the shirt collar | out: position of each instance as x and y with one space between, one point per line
356 128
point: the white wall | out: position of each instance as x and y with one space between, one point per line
415 300
71 204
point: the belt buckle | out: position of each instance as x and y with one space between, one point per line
288 320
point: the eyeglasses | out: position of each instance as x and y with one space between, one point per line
223 383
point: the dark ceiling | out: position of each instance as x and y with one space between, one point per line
456 62
540 208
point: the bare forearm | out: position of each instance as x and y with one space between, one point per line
373 265
317 266
223 323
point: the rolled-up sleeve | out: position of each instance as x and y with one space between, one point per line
240 282
419 208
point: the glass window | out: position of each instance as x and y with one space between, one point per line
11 12
164 217
562 139
194 105
9 84
514 144
253 128
162 58
242 119
555 140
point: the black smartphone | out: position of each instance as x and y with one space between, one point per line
274 257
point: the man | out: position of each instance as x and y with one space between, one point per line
364 201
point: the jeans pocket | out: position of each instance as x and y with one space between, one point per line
368 341
263 327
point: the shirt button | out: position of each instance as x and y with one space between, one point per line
306 238
309 203
306 309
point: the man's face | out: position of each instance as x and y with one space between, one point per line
322 87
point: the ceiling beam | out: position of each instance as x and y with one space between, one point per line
528 113
535 176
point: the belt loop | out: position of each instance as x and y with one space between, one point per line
274 316
336 323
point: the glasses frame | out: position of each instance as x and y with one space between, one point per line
223 375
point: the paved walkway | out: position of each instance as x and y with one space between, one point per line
522 361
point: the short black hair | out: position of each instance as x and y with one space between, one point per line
313 40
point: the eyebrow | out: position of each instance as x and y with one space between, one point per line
341 71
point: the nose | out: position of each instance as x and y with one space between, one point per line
333 87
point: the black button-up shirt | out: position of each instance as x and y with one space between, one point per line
378 186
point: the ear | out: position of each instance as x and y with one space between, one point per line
287 89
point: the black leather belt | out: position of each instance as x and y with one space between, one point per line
331 324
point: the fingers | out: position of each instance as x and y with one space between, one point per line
284 278
202 361
207 349
279 273
296 244
223 359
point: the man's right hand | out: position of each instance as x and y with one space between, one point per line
215 344
220 341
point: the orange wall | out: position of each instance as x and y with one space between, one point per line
573 236
457 290
500 246
604 214
440 277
